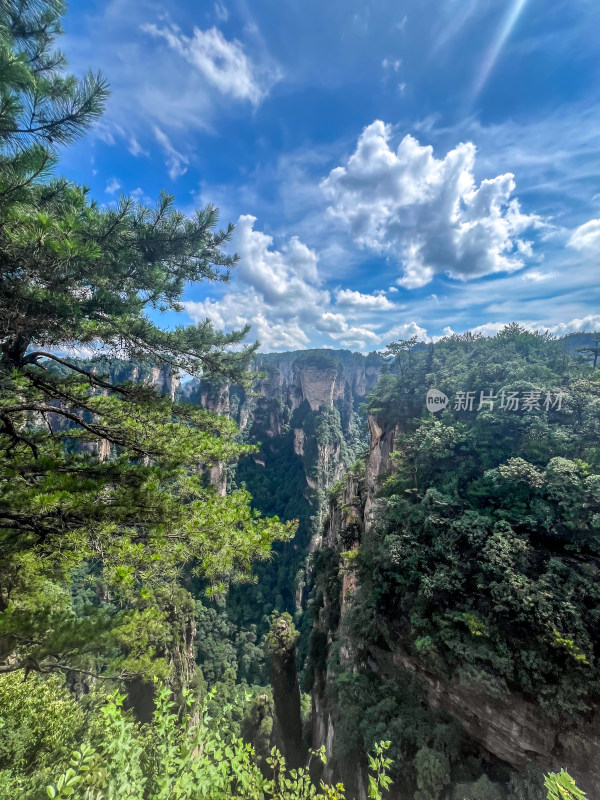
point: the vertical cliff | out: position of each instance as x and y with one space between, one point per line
304 412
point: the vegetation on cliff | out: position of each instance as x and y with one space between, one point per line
481 561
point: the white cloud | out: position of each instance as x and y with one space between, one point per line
176 162
346 334
586 236
179 80
287 276
490 328
591 322
135 148
112 186
221 11
237 309
428 213
279 296
279 293
363 302
405 331
223 63
535 276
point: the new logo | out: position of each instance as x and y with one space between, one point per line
436 401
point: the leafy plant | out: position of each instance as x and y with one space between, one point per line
561 786
193 757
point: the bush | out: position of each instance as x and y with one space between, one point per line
40 722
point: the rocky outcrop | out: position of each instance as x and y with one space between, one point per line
164 380
316 377
292 394
287 723
299 437
513 729
381 446
320 387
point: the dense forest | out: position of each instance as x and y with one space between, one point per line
226 574
469 604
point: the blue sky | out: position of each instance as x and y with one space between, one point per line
393 168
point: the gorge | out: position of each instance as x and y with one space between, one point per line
323 460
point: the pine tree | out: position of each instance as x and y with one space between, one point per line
103 495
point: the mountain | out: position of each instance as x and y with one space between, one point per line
475 706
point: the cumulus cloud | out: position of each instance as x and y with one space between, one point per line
428 213
237 309
364 302
591 322
277 290
279 293
406 331
223 63
286 277
586 236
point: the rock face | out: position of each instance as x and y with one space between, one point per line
294 392
508 728
303 412
164 381
320 378
511 728
320 386
287 722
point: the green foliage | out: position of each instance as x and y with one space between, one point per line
282 637
433 773
527 785
485 554
480 565
40 105
39 722
184 758
379 766
561 786
99 467
80 764
481 789
319 360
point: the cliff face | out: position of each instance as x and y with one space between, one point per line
508 729
318 378
304 413
304 407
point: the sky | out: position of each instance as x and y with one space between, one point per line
392 168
